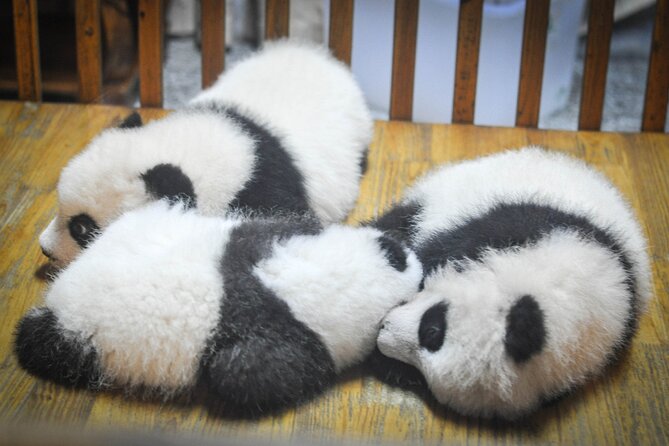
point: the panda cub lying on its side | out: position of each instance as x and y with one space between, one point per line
536 273
264 311
285 130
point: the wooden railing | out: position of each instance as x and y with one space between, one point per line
600 23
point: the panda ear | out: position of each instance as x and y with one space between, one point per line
131 121
167 181
525 329
394 252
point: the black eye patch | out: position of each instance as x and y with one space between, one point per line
83 229
432 329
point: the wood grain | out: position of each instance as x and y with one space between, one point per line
213 40
657 84
341 29
277 19
26 40
404 59
151 53
532 62
89 50
627 405
600 26
467 60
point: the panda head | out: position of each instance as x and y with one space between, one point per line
114 174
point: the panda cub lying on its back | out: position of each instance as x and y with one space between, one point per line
536 273
285 130
264 311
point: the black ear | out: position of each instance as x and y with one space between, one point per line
525 329
45 349
168 181
394 252
131 121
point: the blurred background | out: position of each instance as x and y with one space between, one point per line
499 63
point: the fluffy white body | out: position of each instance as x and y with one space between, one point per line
291 110
266 311
536 273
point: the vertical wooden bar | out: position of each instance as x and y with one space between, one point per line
600 25
26 38
341 29
467 60
213 40
404 59
277 18
151 53
89 50
657 85
532 62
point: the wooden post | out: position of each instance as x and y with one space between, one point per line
89 50
151 53
26 37
467 60
213 40
404 59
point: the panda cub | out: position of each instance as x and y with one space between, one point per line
264 312
536 273
285 130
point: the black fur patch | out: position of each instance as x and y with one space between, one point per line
131 121
83 229
48 351
432 328
276 182
401 220
525 329
394 253
261 358
168 181
516 225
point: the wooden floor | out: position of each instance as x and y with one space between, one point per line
629 405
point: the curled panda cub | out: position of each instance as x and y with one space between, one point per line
285 130
264 312
536 273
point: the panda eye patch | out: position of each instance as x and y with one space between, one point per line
83 229
432 329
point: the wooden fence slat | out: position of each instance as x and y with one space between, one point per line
151 53
600 26
657 85
404 59
277 18
213 40
467 60
532 63
341 29
89 50
26 37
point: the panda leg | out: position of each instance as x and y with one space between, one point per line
47 350
262 374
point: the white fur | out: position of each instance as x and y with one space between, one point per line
579 284
340 285
309 99
147 294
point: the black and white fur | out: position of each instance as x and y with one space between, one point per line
536 273
263 311
285 130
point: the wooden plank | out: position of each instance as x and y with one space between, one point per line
341 29
277 19
26 40
600 26
532 63
627 405
657 85
404 59
89 50
151 53
467 60
213 40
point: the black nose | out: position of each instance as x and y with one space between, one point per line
47 253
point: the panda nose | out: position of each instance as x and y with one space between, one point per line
47 253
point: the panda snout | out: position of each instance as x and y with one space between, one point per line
48 254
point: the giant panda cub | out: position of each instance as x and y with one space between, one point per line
264 312
285 130
536 273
